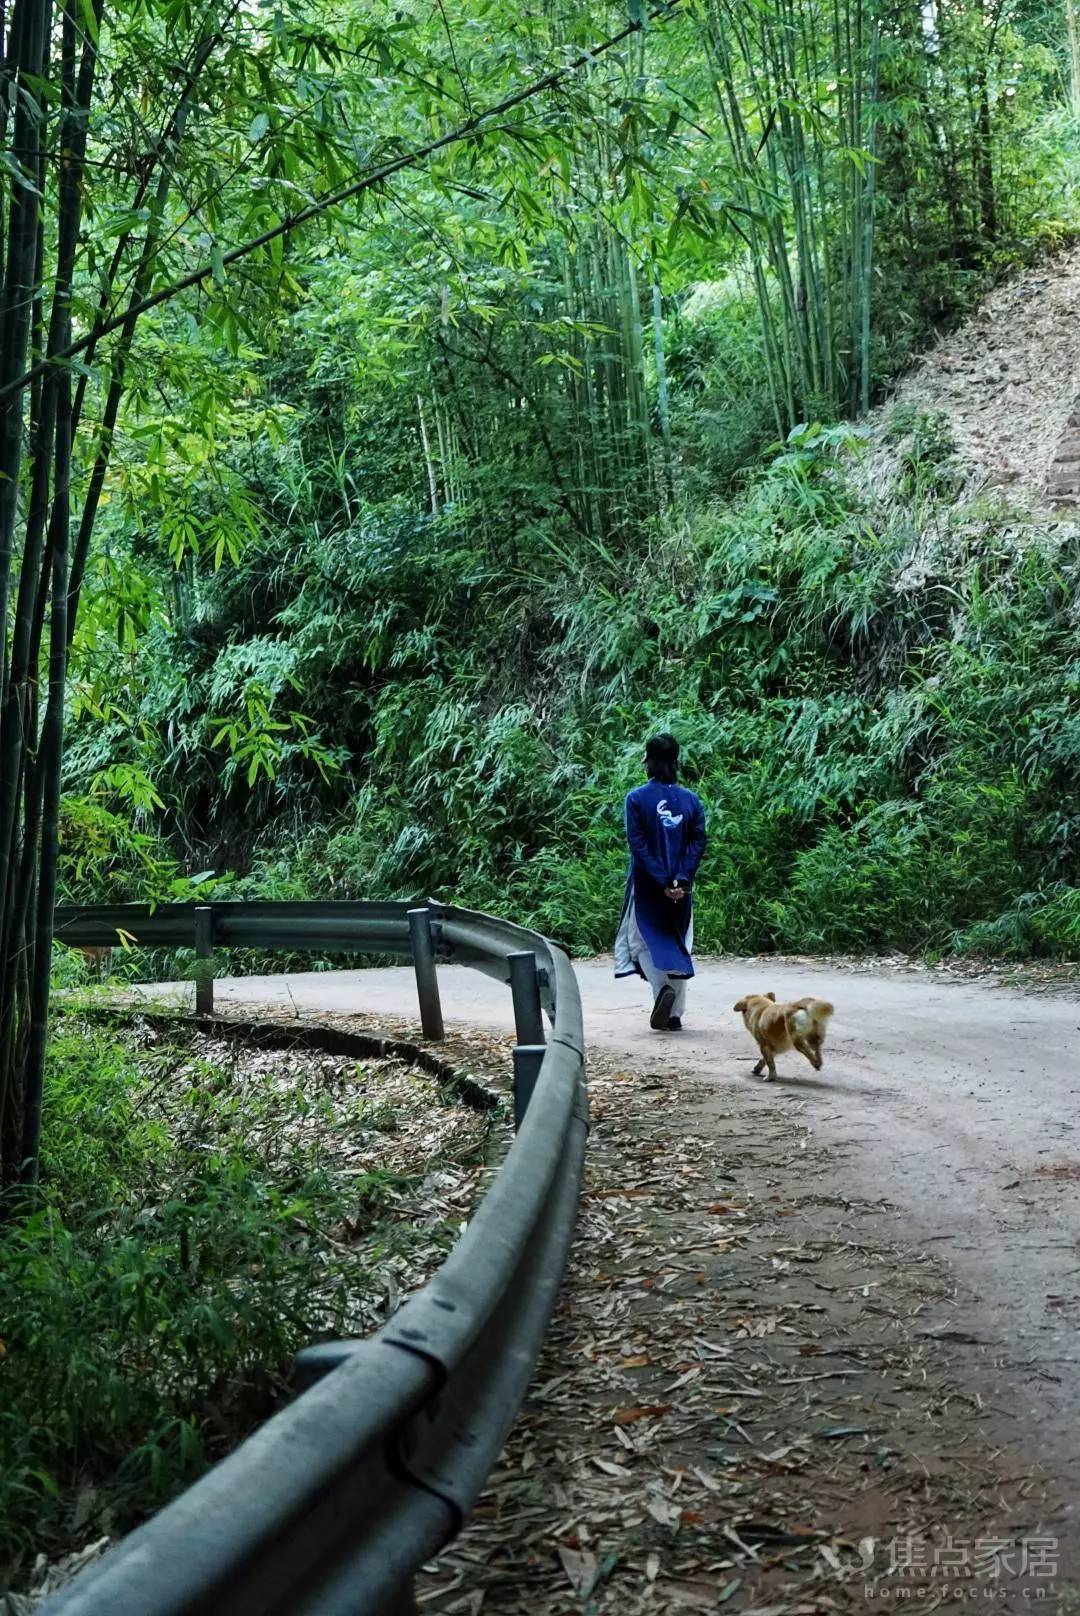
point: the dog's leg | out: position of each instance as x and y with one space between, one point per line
810 1047
759 1068
767 1060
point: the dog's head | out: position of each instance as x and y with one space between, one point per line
744 1004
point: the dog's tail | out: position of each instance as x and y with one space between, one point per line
810 1013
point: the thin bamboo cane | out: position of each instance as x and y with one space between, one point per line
870 143
1072 29
425 441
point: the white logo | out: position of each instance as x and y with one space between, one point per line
669 820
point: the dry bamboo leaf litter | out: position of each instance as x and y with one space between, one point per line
408 1158
685 1436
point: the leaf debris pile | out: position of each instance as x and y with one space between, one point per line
393 1151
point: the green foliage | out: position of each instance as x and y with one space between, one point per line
1045 923
177 1256
894 877
716 363
408 540
929 468
878 695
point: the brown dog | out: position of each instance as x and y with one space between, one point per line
98 960
778 1027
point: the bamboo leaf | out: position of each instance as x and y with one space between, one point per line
89 19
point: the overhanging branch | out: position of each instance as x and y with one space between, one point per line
346 193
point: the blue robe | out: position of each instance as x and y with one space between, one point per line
665 830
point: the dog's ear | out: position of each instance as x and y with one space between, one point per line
741 1005
771 996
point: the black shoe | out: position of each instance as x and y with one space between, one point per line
674 1024
661 1010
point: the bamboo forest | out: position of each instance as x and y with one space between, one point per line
407 409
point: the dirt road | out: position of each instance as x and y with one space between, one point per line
939 1148
959 1104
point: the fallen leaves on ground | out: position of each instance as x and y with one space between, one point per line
741 1400
406 1155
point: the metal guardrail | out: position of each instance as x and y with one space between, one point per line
331 1507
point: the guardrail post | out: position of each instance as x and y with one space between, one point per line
427 982
528 1059
525 989
544 979
204 960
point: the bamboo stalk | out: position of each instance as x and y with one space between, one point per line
433 486
21 319
1073 30
870 144
52 746
663 409
635 360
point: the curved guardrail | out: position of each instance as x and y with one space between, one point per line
331 1507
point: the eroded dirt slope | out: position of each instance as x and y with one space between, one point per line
1009 378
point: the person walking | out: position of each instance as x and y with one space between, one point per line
665 832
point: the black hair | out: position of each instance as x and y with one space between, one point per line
662 759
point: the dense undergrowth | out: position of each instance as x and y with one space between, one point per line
879 700
877 690
204 1212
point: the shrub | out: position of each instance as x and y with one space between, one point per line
175 1258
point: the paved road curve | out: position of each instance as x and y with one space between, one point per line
955 1102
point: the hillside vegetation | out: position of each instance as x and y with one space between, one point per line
878 694
571 442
